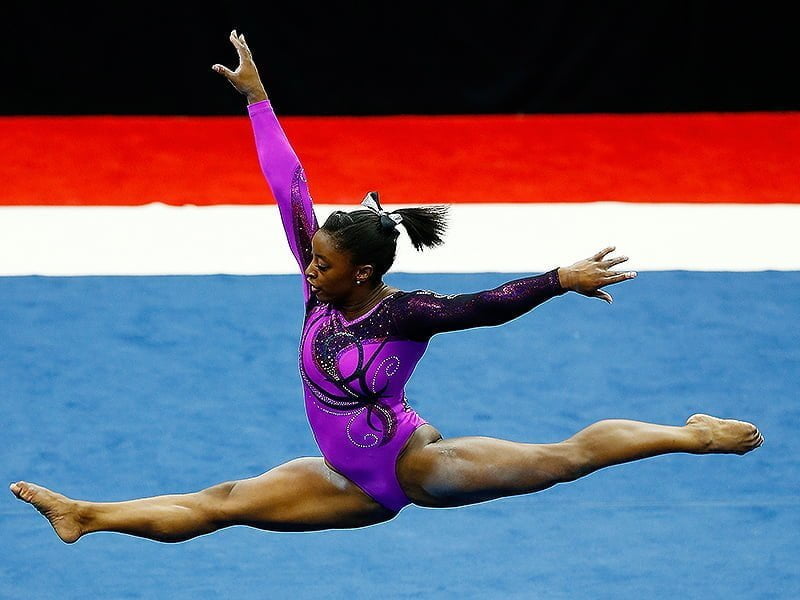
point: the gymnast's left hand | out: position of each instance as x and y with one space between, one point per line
588 276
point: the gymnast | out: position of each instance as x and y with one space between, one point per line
360 342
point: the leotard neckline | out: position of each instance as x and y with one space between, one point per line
346 321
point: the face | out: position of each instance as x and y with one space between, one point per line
331 272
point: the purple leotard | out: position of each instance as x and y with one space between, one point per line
354 372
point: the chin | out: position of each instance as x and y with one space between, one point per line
322 296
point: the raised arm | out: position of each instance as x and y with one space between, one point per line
287 180
278 161
420 315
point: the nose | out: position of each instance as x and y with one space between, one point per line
309 270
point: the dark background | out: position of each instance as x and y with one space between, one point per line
402 58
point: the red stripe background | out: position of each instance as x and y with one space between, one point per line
737 158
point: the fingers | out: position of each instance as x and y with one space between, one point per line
617 277
241 47
242 50
224 71
603 253
603 295
611 262
614 276
234 37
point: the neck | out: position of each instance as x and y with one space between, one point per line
363 299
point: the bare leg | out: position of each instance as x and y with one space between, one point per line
459 471
302 495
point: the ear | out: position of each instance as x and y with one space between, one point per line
364 272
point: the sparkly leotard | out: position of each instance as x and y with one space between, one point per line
354 371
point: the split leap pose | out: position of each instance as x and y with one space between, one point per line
360 342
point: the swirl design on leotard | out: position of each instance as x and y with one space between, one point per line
355 396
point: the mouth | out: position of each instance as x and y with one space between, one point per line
314 289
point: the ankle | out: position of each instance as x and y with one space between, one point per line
701 436
85 516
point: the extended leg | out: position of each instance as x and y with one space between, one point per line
459 471
301 495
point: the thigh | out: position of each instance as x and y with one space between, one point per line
301 495
459 471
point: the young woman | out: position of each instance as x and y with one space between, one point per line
360 343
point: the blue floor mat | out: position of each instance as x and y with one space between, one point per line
122 387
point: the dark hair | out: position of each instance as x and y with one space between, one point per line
372 238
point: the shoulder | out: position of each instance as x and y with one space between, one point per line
413 304
422 295
413 313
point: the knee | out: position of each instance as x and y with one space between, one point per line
215 500
220 492
575 460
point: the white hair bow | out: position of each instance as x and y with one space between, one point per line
371 202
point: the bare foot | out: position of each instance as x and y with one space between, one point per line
59 510
725 436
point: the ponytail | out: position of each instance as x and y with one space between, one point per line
425 225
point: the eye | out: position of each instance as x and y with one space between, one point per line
323 267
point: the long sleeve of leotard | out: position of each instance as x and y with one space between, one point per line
287 180
422 314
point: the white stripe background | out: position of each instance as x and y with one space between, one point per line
157 239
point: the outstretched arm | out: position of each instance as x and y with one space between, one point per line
278 161
423 314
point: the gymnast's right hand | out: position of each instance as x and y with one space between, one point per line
245 78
